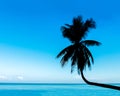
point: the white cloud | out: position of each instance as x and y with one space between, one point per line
20 77
2 77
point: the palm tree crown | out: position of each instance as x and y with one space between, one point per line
78 30
78 51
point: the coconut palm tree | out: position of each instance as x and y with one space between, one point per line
78 51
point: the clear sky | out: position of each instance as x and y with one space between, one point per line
30 39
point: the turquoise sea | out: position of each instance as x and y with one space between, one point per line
55 90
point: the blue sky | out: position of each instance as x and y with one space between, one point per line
30 39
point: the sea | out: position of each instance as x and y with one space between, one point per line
41 89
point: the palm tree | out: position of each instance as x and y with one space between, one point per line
78 51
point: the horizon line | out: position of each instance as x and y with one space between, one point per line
40 83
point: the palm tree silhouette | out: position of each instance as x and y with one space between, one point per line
78 51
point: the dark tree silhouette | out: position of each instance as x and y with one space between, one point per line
78 51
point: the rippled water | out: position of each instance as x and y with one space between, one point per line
55 90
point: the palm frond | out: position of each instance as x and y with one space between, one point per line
88 53
67 32
77 21
74 60
90 43
84 58
67 56
80 60
68 25
90 23
87 60
63 51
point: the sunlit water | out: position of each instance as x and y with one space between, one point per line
55 90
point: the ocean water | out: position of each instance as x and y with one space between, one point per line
55 90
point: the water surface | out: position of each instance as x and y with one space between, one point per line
55 90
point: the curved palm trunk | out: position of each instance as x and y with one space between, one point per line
99 84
